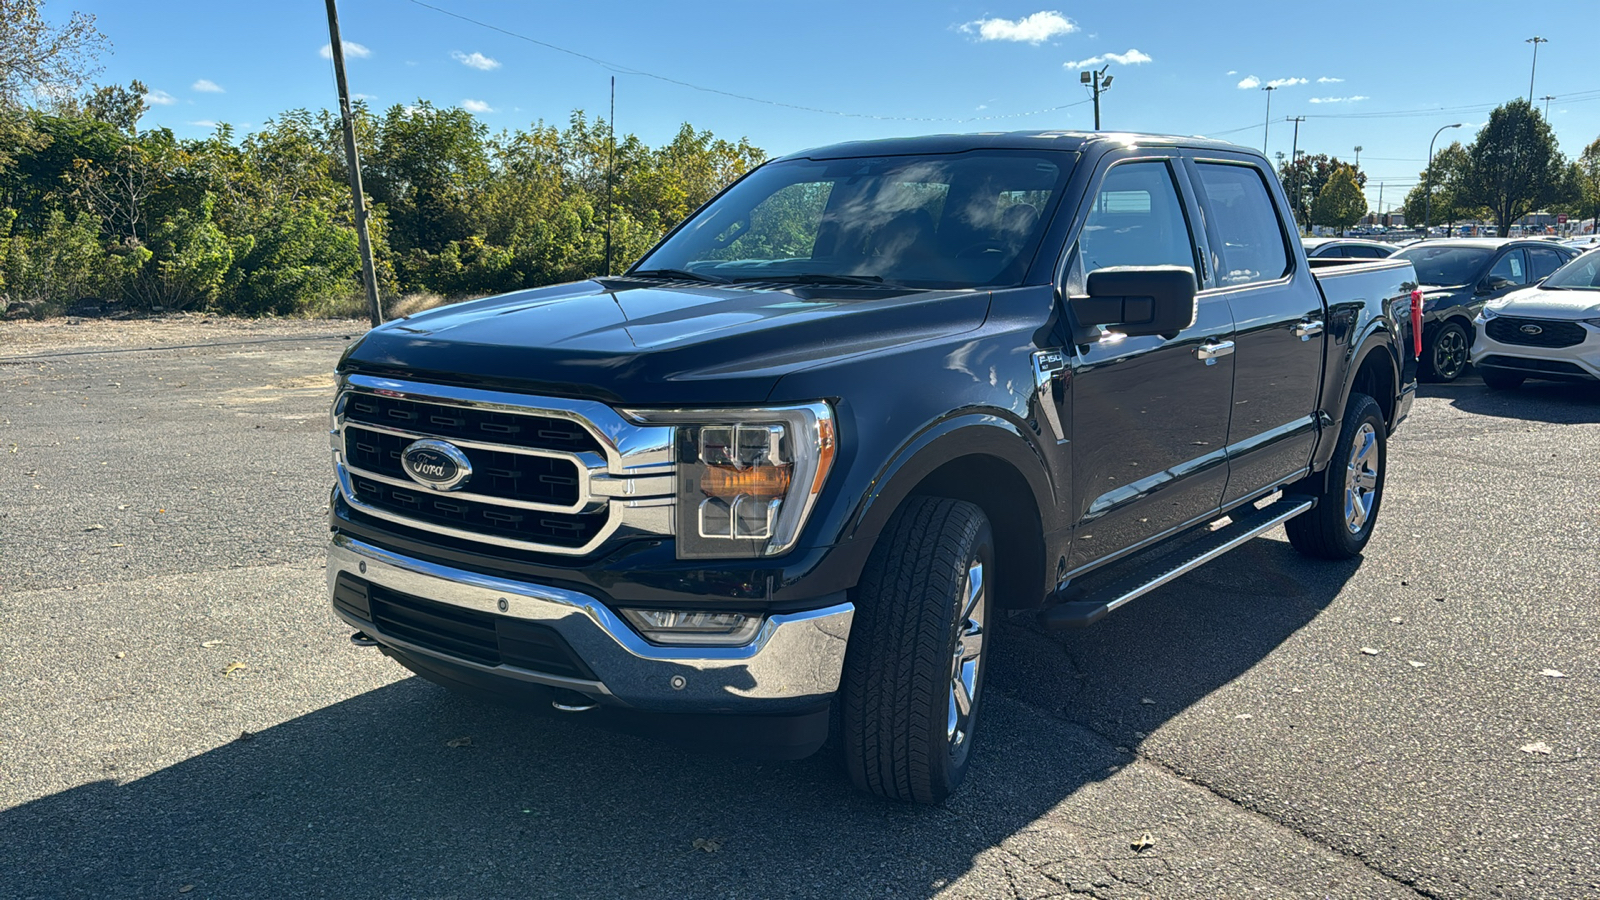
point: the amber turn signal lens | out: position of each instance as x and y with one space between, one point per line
761 482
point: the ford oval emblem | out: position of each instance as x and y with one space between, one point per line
1532 329
436 464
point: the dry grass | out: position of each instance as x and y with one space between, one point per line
411 304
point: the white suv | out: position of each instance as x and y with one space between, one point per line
1550 330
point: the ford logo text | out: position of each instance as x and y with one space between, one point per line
436 464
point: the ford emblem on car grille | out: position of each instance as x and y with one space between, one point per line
1532 329
436 464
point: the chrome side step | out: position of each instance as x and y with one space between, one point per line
1246 524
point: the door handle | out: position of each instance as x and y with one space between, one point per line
1307 328
1210 350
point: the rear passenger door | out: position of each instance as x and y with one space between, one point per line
1279 322
1544 260
1149 415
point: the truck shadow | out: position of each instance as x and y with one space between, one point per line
1559 403
379 796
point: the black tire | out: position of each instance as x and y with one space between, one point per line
897 693
1325 532
1446 354
1501 380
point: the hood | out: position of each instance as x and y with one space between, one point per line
1547 303
645 343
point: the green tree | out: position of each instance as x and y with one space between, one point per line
1514 165
1305 178
38 58
1341 202
1587 173
1445 176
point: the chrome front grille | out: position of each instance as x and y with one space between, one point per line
548 475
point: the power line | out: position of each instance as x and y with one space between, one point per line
628 70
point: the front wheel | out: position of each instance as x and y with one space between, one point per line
1341 523
913 672
1445 357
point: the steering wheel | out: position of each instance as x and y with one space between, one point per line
972 251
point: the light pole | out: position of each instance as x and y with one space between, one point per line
1358 157
1427 205
1535 41
1101 82
1547 98
1266 127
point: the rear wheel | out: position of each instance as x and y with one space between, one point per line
1501 380
1445 357
1341 523
913 674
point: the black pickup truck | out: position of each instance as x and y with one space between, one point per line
784 476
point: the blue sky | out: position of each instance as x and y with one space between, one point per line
1382 77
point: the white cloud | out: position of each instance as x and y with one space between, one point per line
1326 80
1131 58
352 50
1357 98
1034 29
207 86
1250 81
1233 71
1285 82
363 96
475 60
476 106
983 106
204 123
160 98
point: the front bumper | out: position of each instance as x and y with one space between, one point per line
1578 362
792 665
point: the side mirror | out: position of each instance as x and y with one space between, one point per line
1494 283
1138 300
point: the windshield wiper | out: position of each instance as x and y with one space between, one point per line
680 273
824 278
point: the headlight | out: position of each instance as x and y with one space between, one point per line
747 478
1594 322
1487 313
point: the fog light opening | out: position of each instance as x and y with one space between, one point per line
674 626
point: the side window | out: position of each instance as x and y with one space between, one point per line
1365 252
1137 219
1509 267
1252 243
1542 262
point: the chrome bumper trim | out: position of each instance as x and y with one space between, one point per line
795 659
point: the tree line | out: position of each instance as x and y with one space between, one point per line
93 207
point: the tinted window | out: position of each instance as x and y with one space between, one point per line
1251 237
1542 262
1582 274
1445 265
1510 268
1366 252
1137 220
937 220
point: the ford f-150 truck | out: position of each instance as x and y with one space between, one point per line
784 476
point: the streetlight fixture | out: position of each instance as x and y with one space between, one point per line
1427 215
1099 81
1535 41
1266 127
1358 157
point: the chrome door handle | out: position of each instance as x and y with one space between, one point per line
1210 350
1308 328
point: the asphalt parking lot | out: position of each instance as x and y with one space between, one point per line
181 715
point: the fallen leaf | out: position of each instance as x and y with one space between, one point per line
122 506
1539 747
1146 701
459 742
1297 690
706 845
1397 620
1145 842
1370 651
186 889
209 644
1244 717
232 667
96 527
1415 665
121 654
1552 673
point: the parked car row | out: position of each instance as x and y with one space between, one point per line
1549 331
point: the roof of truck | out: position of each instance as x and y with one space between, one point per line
1007 140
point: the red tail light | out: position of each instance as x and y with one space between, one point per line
1416 323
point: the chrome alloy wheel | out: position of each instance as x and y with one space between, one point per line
1361 478
1450 353
964 665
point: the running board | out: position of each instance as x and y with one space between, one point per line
1246 524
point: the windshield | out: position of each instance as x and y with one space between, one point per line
1445 265
1581 274
957 220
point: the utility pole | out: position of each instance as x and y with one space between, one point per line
1358 157
1547 98
1294 159
1266 127
1099 81
1381 219
369 271
1535 41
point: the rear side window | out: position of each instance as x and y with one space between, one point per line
1543 262
1250 243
